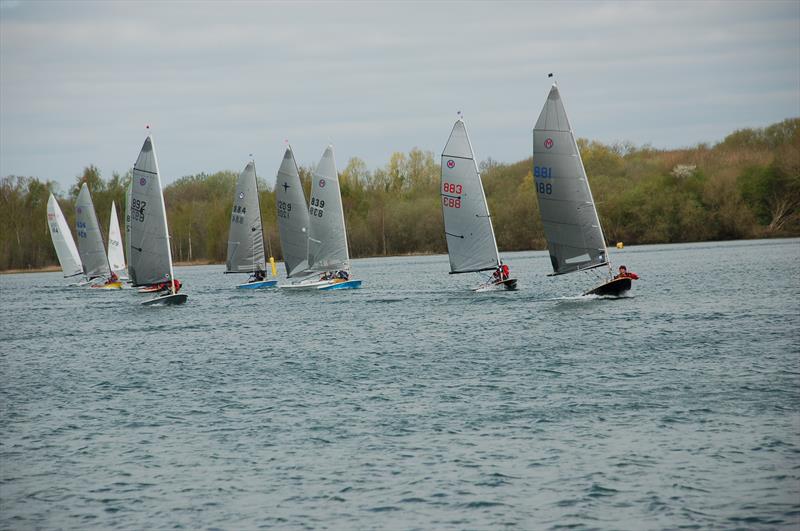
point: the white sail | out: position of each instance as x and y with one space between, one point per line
245 238
327 238
116 255
66 250
150 261
569 217
293 219
90 240
468 228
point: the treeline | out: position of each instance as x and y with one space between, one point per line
747 186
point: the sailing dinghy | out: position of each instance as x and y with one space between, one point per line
327 253
245 237
116 255
90 242
66 251
150 261
574 237
471 244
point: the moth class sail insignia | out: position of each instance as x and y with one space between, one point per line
66 251
574 237
327 254
90 242
471 244
150 262
245 237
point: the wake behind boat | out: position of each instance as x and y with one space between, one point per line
471 244
150 262
569 216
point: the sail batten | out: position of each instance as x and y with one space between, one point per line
90 240
293 216
66 250
569 217
470 239
245 237
327 247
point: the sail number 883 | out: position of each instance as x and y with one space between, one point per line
451 188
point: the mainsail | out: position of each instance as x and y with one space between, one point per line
90 240
66 250
293 217
327 239
467 225
150 261
116 256
245 238
571 226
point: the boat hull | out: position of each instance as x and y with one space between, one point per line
509 284
346 284
167 300
614 288
110 285
258 285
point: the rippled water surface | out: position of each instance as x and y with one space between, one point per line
413 402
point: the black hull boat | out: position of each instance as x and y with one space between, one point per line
614 288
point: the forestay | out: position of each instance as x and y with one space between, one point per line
467 225
90 240
150 260
569 217
66 250
327 239
245 238
293 217
116 256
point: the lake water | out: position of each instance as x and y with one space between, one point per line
413 402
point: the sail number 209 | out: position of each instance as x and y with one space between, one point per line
450 201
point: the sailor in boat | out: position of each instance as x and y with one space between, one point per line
501 274
113 278
257 276
167 286
342 275
624 273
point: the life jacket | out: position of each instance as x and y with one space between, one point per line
505 271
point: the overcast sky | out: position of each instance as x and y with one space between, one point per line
79 81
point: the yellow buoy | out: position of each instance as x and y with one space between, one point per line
274 267
620 245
